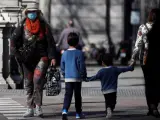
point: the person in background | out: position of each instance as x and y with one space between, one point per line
62 43
34 33
146 47
74 71
108 76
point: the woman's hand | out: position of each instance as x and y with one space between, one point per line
62 51
132 63
53 62
145 57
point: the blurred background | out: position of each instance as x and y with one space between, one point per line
105 25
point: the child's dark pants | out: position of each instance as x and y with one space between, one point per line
110 100
69 88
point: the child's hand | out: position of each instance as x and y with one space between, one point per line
86 79
132 68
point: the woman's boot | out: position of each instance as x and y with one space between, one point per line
39 112
29 112
153 111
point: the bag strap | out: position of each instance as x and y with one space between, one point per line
146 27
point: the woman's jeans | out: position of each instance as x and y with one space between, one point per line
34 81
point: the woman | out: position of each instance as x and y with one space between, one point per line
147 44
33 35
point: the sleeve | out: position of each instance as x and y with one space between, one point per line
82 66
145 41
51 43
63 65
124 69
95 77
139 43
15 40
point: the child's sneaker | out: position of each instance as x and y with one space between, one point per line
64 111
80 116
109 113
64 114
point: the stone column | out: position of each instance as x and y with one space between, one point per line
2 80
7 56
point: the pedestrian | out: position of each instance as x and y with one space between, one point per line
74 71
108 76
146 47
62 43
33 45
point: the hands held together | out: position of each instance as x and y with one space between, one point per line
132 63
87 79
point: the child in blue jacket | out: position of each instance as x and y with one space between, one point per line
108 77
74 71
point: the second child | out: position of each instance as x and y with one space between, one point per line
108 77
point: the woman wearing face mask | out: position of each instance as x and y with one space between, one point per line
33 32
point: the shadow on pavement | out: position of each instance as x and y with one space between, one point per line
73 103
131 113
133 117
100 115
124 78
132 85
137 85
88 115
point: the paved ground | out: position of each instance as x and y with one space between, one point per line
131 104
128 108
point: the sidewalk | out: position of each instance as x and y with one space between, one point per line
128 108
131 103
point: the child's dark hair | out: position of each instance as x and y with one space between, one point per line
107 59
73 39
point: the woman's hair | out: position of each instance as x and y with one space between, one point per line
73 39
153 38
152 15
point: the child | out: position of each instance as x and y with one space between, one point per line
74 71
108 77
